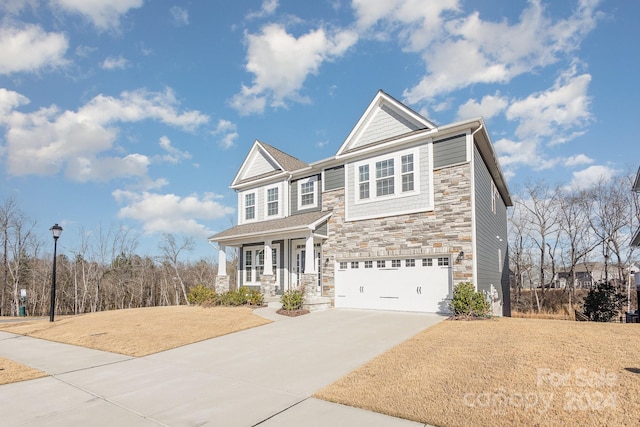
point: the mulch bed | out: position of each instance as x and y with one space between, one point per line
463 317
292 313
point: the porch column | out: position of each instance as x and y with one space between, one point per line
222 280
268 266
222 260
309 259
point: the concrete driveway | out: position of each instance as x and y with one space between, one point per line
262 376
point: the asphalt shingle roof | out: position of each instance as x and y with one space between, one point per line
293 222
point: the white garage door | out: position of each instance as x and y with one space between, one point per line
421 284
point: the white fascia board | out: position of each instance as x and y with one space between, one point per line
319 221
396 143
262 181
244 163
287 233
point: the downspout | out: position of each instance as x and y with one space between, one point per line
474 243
287 244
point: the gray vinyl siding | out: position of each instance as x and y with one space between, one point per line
386 123
293 194
490 228
422 201
334 178
449 151
322 229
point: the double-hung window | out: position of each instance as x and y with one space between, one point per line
272 201
307 193
250 206
387 176
248 266
384 177
363 182
407 172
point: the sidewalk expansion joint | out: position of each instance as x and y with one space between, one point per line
280 412
109 401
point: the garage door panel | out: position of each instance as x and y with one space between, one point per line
405 288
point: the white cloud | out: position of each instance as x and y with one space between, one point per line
84 51
268 8
140 105
512 153
281 62
81 143
459 51
591 176
228 131
8 101
180 16
489 106
28 48
115 63
577 160
103 14
173 154
417 22
103 169
553 112
165 213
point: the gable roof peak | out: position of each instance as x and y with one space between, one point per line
287 161
264 161
384 118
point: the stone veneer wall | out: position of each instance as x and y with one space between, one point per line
445 230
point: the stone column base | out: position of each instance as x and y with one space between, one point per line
221 284
309 285
267 285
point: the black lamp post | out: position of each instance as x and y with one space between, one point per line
56 231
606 263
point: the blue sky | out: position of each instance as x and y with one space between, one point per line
139 113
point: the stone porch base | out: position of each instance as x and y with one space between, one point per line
313 303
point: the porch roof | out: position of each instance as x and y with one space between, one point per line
300 222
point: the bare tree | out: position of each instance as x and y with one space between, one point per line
577 241
611 210
540 204
171 251
20 243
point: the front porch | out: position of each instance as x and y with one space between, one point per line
285 255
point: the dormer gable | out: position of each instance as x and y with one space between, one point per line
385 118
265 161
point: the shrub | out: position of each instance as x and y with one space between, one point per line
468 302
603 303
292 299
234 298
201 295
254 297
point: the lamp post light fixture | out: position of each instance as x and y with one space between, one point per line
56 231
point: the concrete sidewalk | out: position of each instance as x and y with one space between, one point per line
261 376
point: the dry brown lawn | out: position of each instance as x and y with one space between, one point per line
11 372
141 331
508 372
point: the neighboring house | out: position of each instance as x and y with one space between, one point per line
586 275
403 212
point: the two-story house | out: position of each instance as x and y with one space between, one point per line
400 214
